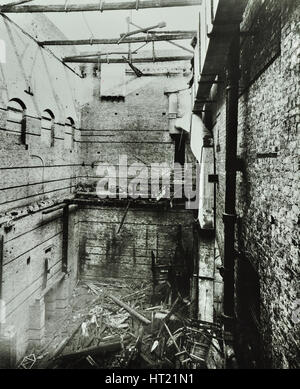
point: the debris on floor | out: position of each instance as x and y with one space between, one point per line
122 329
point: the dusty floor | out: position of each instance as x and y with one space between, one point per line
96 332
84 308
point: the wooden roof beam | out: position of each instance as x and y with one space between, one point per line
104 6
146 29
75 59
156 38
5 7
153 33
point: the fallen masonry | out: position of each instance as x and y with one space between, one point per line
120 329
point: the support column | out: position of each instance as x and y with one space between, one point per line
36 328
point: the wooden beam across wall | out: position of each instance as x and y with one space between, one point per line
12 4
153 38
103 6
103 54
83 59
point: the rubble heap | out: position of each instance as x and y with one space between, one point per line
130 326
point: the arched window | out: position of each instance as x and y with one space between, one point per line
47 130
16 119
69 133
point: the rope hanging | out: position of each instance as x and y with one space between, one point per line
98 67
153 51
88 27
101 5
137 4
66 5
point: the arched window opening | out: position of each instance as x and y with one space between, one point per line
47 130
69 133
16 118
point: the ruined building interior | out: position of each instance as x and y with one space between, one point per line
149 199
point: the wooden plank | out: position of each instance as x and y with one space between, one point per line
102 348
106 6
114 41
101 54
13 3
132 311
146 29
122 60
152 33
206 300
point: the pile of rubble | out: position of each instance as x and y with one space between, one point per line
126 327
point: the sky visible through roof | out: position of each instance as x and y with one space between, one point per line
110 24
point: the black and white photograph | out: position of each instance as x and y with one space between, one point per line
149 187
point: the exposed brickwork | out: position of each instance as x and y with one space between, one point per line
33 173
267 190
106 254
253 45
137 126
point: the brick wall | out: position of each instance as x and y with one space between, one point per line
23 179
127 255
34 176
267 197
26 246
136 127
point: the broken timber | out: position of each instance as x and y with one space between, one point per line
111 41
128 204
145 29
102 348
105 6
132 311
121 60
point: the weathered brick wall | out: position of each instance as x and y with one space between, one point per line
23 180
24 252
127 255
34 176
136 127
267 191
